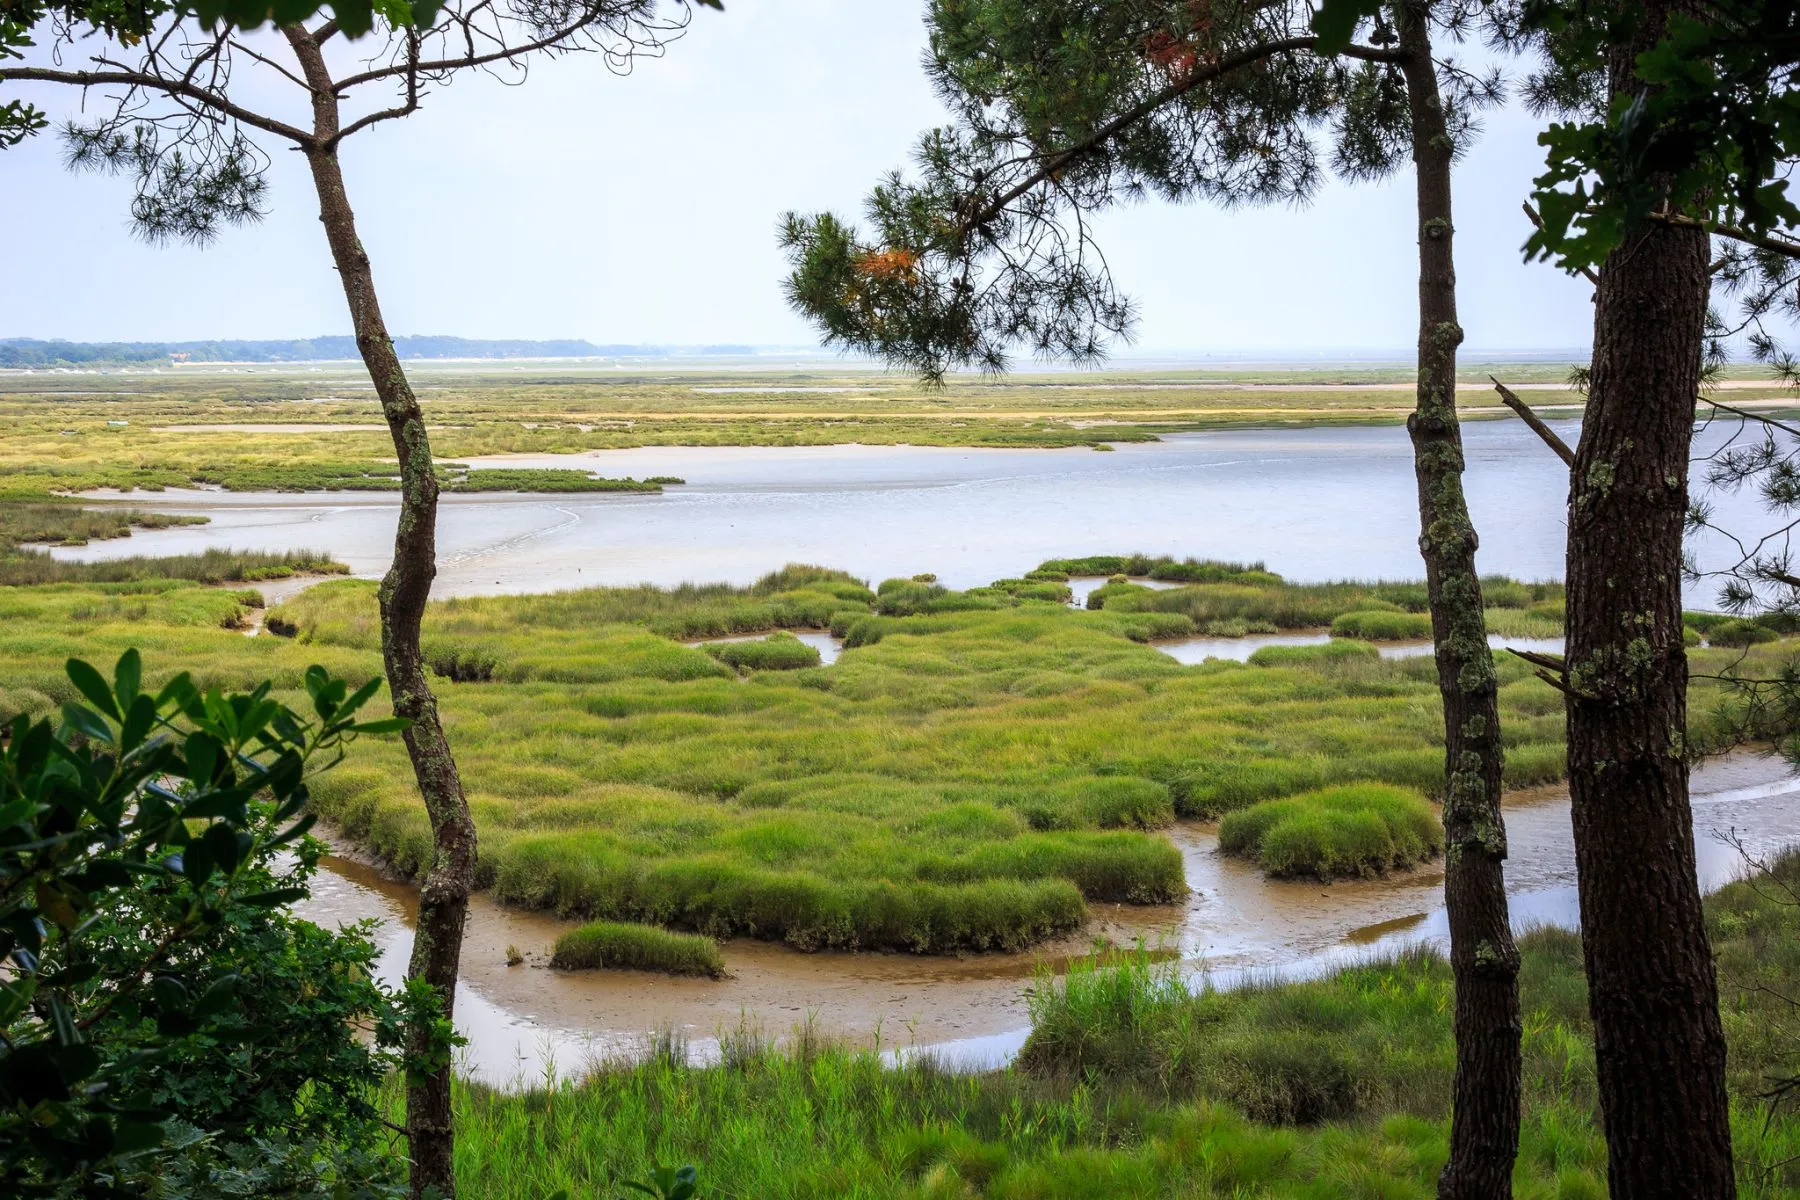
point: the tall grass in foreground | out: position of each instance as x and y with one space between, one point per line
1131 1085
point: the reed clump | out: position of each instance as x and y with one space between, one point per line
1357 829
614 945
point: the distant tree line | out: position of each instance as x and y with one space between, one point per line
31 352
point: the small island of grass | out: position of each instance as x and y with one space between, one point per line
618 945
1357 829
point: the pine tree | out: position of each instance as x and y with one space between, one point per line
1063 108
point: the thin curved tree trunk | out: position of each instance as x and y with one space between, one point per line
1484 1130
444 894
1658 1044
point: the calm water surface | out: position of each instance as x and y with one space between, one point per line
1314 504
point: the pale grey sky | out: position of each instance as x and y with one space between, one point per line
642 209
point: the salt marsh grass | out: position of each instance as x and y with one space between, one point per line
1227 599
1357 829
777 652
961 780
615 945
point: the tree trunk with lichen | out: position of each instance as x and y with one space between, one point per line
444 893
1484 1131
1658 1044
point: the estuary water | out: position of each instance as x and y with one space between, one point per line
1313 504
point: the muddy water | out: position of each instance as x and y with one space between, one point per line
526 1021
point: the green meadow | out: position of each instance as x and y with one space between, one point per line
968 776
1132 1085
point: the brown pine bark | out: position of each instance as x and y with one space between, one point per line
1658 1044
444 894
1484 1129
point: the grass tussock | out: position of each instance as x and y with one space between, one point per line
777 652
1136 1083
1359 829
617 946
1377 626
1337 650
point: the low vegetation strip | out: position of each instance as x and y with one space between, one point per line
968 779
23 568
1132 1084
618 946
1230 600
1361 829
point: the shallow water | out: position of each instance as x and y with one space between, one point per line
1239 649
527 1020
1314 503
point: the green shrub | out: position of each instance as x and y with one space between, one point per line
1377 626
777 652
1740 633
1357 829
619 946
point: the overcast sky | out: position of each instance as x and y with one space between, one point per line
643 209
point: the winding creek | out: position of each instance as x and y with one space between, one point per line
526 1022
1314 504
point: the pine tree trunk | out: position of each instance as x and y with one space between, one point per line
444 894
1658 1044
1484 1130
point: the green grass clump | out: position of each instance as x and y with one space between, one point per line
1378 626
1359 829
618 946
1337 650
777 652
